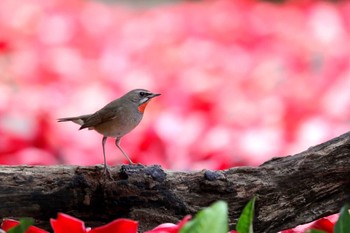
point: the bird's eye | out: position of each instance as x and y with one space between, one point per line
143 94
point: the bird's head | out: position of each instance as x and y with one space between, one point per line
141 97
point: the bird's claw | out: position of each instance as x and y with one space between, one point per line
107 172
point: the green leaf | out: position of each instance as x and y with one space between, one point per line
212 219
245 221
24 224
343 223
315 231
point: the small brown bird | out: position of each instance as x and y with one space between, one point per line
116 119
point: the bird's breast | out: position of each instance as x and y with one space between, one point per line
120 125
142 107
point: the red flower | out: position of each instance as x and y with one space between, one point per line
323 224
120 225
7 224
65 223
169 227
4 46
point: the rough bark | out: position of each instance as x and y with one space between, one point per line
290 190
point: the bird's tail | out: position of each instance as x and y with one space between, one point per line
78 120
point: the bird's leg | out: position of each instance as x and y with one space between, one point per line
106 169
117 142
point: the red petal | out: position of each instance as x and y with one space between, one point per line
323 224
184 221
290 231
165 228
117 226
65 223
7 224
169 227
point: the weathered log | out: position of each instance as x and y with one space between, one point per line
290 190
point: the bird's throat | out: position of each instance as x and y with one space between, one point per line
142 107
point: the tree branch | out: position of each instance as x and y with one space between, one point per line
290 190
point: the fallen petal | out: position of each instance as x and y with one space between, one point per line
7 224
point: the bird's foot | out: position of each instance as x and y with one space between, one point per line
107 172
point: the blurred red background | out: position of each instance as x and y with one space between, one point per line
241 81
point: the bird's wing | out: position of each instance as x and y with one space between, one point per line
106 114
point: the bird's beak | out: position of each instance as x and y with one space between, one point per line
153 95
